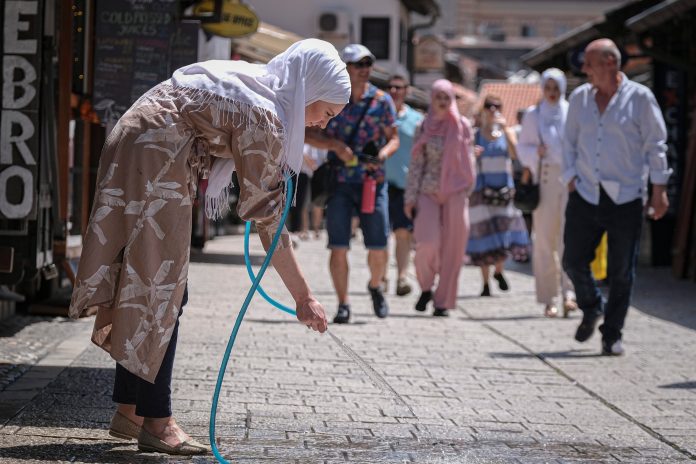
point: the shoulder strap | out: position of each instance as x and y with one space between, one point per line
537 111
354 133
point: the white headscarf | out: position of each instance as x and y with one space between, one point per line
553 116
309 71
554 113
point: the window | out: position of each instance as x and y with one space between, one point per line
374 34
492 30
528 30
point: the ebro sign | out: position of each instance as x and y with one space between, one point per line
19 135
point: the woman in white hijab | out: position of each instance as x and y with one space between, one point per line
210 118
540 150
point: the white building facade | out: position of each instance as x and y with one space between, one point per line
380 25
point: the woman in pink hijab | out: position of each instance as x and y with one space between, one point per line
440 177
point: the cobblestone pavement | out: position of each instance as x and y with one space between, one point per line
495 382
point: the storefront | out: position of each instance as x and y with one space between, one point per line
71 68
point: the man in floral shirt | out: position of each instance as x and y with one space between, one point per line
371 113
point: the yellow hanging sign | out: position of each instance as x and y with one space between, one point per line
237 19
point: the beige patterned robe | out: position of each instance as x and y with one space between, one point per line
135 253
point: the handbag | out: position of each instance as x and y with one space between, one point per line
325 178
527 192
526 197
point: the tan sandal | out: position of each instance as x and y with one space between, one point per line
568 306
149 443
550 311
123 428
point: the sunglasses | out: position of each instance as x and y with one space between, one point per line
362 64
397 87
490 106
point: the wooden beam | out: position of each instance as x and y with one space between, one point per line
86 123
63 112
685 230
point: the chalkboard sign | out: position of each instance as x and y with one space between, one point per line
138 43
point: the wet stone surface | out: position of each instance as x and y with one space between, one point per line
495 382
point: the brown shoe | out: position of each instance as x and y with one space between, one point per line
149 443
402 287
123 428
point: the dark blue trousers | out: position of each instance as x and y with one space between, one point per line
585 224
150 399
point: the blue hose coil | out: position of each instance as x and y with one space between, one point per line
255 286
247 232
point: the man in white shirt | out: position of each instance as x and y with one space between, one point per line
613 130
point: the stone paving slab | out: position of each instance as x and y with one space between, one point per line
495 382
38 335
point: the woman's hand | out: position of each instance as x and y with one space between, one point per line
343 151
499 119
311 313
478 150
408 210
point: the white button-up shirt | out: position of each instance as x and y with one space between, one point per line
612 149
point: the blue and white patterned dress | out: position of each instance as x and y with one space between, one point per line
496 231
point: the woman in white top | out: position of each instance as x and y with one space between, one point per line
540 150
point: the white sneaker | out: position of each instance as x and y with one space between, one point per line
615 349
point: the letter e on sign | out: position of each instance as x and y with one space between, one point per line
19 118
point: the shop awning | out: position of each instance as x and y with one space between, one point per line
613 25
265 43
659 14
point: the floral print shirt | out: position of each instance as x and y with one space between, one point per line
380 115
425 169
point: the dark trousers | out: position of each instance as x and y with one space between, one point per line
150 399
303 186
585 224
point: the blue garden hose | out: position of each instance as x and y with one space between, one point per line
254 287
247 232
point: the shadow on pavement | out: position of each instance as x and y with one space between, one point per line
659 294
86 452
686 385
505 318
469 297
585 353
15 324
76 397
425 314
